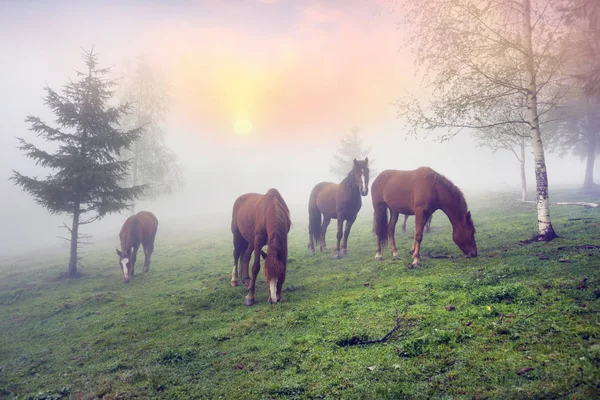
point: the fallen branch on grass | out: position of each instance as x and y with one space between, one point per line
568 203
355 340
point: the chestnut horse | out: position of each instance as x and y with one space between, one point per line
339 201
258 220
419 192
137 229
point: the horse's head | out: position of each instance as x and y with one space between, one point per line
125 263
361 175
464 236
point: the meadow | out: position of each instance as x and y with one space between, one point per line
520 321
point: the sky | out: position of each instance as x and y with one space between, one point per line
261 91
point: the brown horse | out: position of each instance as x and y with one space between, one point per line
339 201
427 224
260 220
419 192
137 229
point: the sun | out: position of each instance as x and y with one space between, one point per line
242 127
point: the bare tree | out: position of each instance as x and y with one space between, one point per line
479 57
152 163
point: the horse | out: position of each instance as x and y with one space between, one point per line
339 201
258 220
419 192
427 224
137 229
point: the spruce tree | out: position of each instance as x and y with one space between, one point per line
86 169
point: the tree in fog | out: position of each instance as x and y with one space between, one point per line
152 163
477 57
349 148
577 131
513 138
584 46
88 143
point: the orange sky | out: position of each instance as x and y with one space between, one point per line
324 70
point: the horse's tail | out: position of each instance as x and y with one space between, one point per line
277 251
380 222
314 217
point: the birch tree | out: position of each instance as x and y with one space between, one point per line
480 56
152 162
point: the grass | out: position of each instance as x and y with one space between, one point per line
524 324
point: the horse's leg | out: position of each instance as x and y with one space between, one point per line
420 220
392 232
133 258
428 224
404 223
246 263
259 242
346 234
326 221
239 247
148 250
340 233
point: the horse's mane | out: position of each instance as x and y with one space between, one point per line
281 224
348 181
451 187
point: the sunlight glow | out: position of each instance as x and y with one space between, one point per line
242 127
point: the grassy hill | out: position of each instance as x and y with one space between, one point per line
519 321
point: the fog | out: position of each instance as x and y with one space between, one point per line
303 74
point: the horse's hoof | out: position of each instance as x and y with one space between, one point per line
336 256
345 251
234 283
378 258
412 266
248 302
396 257
146 270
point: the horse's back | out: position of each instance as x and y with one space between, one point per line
244 214
149 223
404 190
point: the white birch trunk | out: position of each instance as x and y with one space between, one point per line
523 175
541 176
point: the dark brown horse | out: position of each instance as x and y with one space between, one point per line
260 220
137 229
419 192
427 224
339 201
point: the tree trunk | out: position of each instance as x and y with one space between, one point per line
541 176
134 172
72 272
588 181
523 176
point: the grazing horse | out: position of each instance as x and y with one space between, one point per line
427 224
137 229
340 201
260 220
419 192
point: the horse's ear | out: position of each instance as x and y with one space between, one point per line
468 217
366 160
118 253
355 161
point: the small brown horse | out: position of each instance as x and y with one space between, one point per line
258 220
419 192
339 201
137 229
427 224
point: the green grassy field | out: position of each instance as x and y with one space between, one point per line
525 322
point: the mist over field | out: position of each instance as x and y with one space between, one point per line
303 81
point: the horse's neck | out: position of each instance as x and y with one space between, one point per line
454 207
349 184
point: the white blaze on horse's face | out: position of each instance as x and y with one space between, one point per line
124 262
273 289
